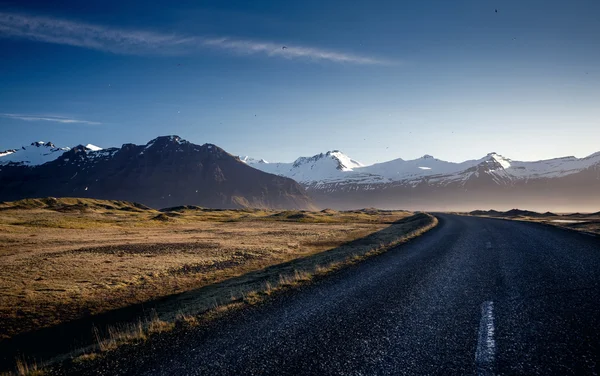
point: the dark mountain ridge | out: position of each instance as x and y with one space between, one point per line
167 171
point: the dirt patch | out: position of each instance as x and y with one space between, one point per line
161 217
237 259
152 248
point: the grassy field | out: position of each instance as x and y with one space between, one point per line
587 224
583 222
71 258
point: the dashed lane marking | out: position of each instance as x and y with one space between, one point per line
486 345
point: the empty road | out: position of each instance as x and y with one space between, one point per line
473 296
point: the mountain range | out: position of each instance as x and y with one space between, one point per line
170 171
167 171
333 179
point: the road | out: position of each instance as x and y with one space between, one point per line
473 296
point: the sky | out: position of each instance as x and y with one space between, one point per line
377 80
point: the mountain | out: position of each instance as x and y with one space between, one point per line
167 171
428 183
306 170
35 154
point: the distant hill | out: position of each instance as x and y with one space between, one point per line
513 213
68 204
522 213
168 171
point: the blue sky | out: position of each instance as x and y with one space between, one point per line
377 80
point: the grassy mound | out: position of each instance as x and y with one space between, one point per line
66 204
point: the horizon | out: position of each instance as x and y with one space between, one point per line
277 81
258 158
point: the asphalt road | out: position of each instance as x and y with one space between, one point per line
473 296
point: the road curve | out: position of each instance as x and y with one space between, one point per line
473 296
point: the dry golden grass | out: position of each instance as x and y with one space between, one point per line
254 287
129 333
582 224
27 368
69 258
587 223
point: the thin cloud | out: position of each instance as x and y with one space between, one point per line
135 42
289 52
56 119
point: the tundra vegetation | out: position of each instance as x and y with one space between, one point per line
67 259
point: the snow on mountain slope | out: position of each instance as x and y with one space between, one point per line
35 154
249 160
345 163
399 169
336 168
325 167
93 147
504 171
552 168
7 152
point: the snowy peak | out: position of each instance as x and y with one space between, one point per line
345 163
35 154
342 161
500 160
93 147
318 168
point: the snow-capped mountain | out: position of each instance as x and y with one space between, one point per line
170 171
37 153
436 183
325 166
336 167
167 171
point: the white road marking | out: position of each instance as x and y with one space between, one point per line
486 345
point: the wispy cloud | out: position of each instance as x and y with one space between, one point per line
56 119
136 42
289 52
